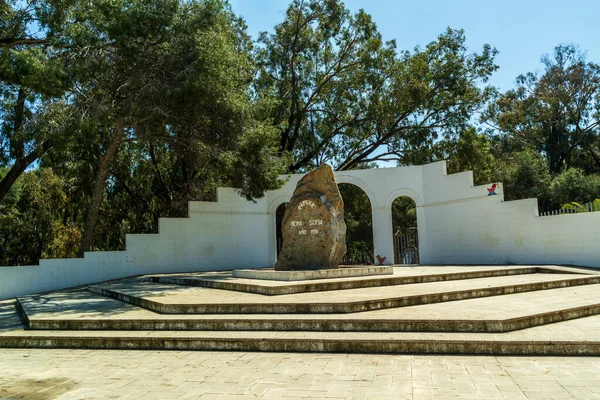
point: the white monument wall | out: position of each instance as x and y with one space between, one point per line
493 232
458 224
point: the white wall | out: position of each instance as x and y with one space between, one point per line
62 273
458 224
494 232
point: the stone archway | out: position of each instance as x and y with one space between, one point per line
381 186
359 224
405 228
346 177
409 242
273 222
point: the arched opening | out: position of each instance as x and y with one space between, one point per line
406 238
279 214
359 225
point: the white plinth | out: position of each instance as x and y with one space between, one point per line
344 272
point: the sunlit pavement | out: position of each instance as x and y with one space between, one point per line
111 374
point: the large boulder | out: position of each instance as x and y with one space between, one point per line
313 228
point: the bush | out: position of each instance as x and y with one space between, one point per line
574 186
32 220
524 175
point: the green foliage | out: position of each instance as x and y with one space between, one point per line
255 164
359 227
182 78
32 220
358 217
174 76
525 175
571 185
580 208
64 243
179 92
404 214
555 113
12 196
342 93
441 86
29 32
545 133
469 151
358 252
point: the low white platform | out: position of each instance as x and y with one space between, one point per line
343 272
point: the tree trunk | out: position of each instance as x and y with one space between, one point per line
17 147
19 167
89 230
17 138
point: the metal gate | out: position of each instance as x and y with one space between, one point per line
406 247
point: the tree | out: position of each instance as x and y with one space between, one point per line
404 214
359 226
344 96
469 151
28 132
34 222
34 46
556 113
525 175
176 73
573 185
34 36
131 102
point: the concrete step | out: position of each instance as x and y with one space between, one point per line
81 310
400 322
9 318
577 337
175 299
402 276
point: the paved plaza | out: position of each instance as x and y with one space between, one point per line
485 310
37 374
558 308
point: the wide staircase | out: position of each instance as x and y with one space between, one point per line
422 309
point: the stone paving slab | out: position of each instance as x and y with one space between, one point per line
65 374
175 299
79 309
79 303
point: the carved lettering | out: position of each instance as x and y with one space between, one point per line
296 223
314 231
314 222
305 203
302 232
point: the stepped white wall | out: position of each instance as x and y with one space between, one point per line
493 232
458 224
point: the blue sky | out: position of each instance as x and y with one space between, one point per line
521 30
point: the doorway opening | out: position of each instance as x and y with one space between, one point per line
279 214
406 237
359 225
